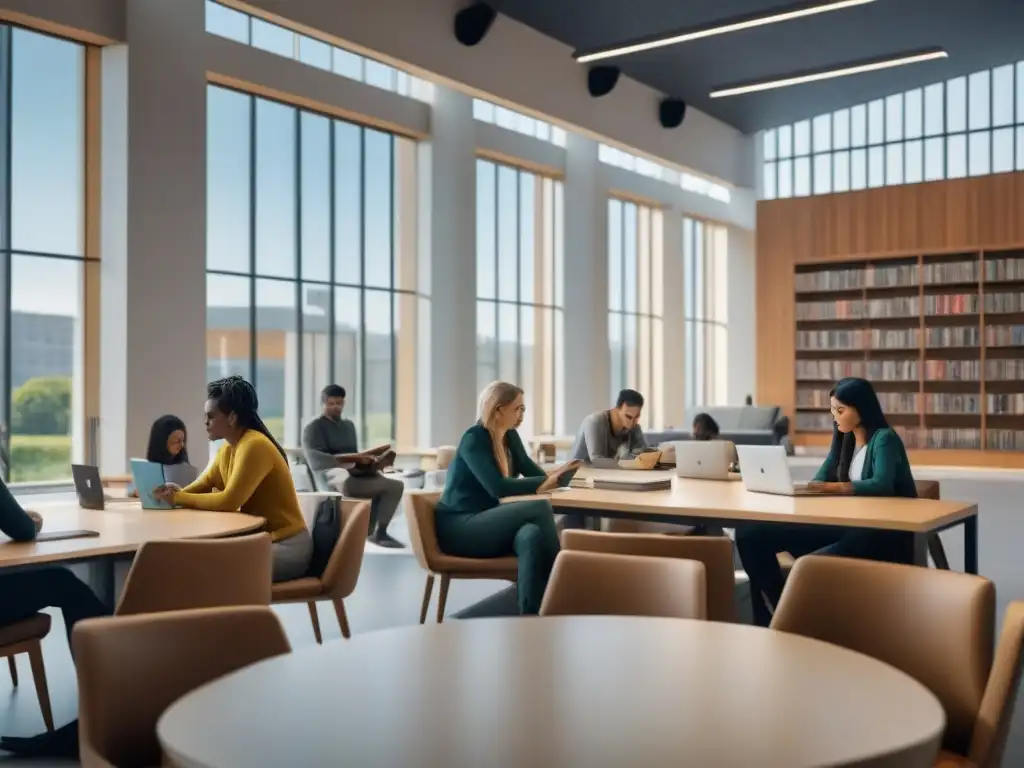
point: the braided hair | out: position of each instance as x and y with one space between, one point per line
236 395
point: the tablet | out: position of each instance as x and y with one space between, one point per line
61 535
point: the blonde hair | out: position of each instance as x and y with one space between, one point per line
497 394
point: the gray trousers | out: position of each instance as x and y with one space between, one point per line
291 556
385 495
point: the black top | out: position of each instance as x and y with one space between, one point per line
14 521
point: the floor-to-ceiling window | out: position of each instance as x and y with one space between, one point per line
519 259
42 255
311 261
635 294
705 309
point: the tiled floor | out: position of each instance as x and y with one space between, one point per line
391 587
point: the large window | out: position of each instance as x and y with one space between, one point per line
635 294
42 255
312 264
967 126
519 259
705 309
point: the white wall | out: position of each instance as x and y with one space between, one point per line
742 314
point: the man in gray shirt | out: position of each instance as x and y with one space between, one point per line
612 434
330 443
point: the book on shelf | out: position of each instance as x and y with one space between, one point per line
895 338
900 306
942 438
952 370
1005 439
952 404
951 272
1004 370
952 337
1004 270
952 304
997 303
841 340
847 309
831 280
1005 405
1004 336
892 276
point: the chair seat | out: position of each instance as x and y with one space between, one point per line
467 567
950 760
33 628
296 589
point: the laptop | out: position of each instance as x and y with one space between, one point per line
703 459
764 469
148 475
88 486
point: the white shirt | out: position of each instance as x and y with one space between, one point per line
857 464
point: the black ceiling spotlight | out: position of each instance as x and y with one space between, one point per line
473 22
671 112
601 80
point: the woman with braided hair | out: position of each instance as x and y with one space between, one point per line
249 474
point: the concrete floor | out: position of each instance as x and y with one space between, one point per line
391 587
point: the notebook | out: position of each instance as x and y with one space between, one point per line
147 476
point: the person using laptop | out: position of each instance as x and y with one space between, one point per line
706 428
613 433
249 474
490 464
867 458
168 446
330 444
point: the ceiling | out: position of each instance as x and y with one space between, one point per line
977 34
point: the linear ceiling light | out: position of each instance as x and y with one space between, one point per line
828 74
786 13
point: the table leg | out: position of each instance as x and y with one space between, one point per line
971 545
920 543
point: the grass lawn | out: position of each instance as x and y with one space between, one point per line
39 458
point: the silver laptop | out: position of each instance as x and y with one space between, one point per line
764 469
703 459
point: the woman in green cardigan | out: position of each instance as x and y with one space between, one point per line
490 464
867 458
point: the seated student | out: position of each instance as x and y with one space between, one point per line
706 428
168 446
330 443
491 463
24 593
867 458
252 470
614 433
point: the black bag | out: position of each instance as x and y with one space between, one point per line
327 525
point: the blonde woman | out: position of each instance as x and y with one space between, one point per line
491 463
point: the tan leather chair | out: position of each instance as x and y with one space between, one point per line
423 536
631 585
131 668
714 551
26 636
937 626
445 456
339 578
177 575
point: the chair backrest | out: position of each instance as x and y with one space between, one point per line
595 583
342 572
131 668
177 575
445 455
988 744
422 533
714 551
927 489
937 626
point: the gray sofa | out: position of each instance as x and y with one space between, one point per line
741 424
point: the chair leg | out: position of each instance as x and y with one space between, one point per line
14 670
442 596
339 608
35 659
315 618
427 592
938 552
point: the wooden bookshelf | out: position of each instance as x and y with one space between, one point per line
941 336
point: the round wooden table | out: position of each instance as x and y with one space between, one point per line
573 691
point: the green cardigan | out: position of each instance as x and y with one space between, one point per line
886 467
475 482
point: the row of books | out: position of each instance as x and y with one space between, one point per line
860 338
1010 405
952 304
951 272
1004 370
898 275
932 437
952 370
830 280
879 370
813 422
1004 302
1005 439
1004 269
946 403
1004 336
859 309
968 336
892 402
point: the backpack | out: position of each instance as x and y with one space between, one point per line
327 524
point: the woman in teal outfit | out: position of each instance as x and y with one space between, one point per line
867 458
490 464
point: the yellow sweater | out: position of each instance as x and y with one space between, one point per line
255 480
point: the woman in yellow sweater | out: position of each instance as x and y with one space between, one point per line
249 474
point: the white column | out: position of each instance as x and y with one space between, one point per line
447 220
740 280
673 322
587 365
153 219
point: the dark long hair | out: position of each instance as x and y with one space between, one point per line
859 394
704 427
158 435
236 395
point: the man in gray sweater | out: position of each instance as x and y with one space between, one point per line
612 434
330 443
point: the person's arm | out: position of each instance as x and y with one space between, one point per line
527 467
208 480
821 476
253 461
885 458
15 521
478 453
596 435
318 457
637 442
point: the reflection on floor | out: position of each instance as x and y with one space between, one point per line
391 588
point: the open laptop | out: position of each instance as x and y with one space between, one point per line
88 486
703 459
764 469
